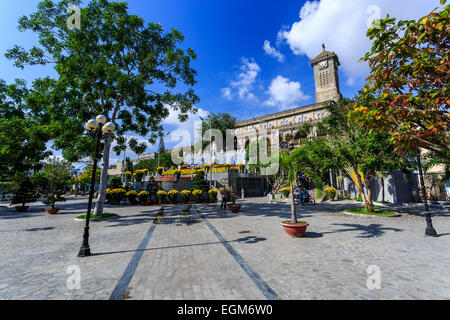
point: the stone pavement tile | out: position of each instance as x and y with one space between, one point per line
34 263
195 265
336 251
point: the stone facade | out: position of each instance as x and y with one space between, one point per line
326 78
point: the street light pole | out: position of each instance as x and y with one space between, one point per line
210 153
100 125
429 231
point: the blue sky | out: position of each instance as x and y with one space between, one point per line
235 73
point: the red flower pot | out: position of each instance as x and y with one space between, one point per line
296 230
234 209
22 209
52 211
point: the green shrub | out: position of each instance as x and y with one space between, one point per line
115 182
200 183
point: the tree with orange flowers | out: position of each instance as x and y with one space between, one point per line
408 90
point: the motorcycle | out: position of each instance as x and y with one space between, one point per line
307 199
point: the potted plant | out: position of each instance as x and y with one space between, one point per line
131 196
128 175
185 195
234 207
51 200
108 196
206 167
197 194
331 193
143 197
292 164
213 195
161 194
177 174
173 195
117 195
286 192
57 174
139 174
241 167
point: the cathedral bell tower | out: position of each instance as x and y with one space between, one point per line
326 76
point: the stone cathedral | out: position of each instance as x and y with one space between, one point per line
326 79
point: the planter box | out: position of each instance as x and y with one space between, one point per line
295 230
234 209
52 211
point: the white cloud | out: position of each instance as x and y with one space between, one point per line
245 81
172 124
284 93
342 26
226 93
271 51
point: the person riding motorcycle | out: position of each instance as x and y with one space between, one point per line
303 194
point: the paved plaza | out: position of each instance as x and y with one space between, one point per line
201 252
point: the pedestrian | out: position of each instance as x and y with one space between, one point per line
224 195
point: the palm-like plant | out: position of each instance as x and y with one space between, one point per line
292 165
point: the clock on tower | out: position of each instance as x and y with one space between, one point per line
326 76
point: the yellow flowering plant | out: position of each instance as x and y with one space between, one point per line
139 174
331 192
173 195
161 194
132 196
185 195
143 196
286 192
117 194
213 194
197 194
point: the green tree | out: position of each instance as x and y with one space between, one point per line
361 151
57 174
219 121
292 165
115 65
318 156
86 177
22 188
23 145
115 182
408 88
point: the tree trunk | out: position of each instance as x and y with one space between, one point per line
369 206
382 189
98 211
293 211
363 194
